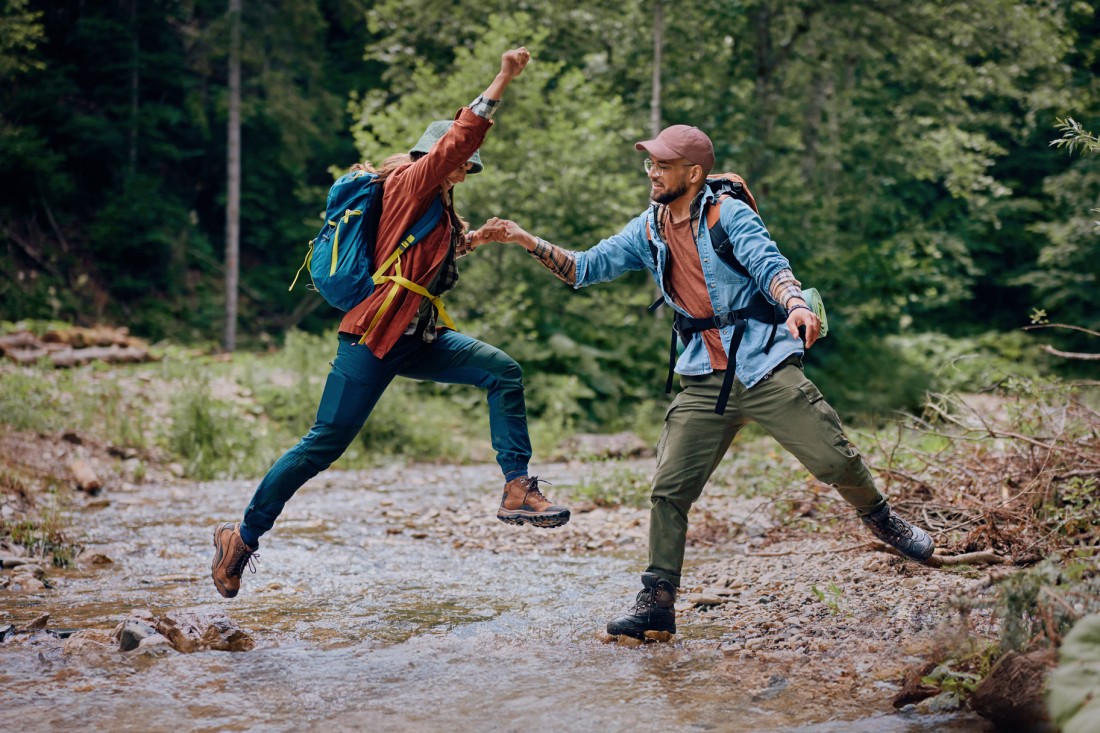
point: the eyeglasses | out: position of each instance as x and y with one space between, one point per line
663 168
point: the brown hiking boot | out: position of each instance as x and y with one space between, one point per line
523 503
231 554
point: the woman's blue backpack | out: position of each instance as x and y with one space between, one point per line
340 258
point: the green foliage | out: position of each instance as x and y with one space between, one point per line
1075 511
614 485
831 597
44 534
212 437
21 32
961 674
899 154
968 364
27 402
1071 700
1074 137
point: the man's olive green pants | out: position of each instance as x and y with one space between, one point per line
788 406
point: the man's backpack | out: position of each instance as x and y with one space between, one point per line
727 185
340 258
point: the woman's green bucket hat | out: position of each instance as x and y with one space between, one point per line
431 137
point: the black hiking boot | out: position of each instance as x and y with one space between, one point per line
908 539
654 610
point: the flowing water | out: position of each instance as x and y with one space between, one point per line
358 629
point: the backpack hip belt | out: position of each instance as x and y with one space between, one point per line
686 326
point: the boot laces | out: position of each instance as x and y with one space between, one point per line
242 557
893 526
646 600
533 489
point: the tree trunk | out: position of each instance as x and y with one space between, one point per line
233 187
655 97
658 52
135 85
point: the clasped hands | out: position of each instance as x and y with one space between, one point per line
498 230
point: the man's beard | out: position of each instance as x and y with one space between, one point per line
670 195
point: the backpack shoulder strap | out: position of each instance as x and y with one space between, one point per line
720 238
416 232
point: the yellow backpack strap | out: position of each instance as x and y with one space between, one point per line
435 300
399 280
305 264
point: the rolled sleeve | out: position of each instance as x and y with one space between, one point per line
484 107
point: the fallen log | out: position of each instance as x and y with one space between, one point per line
17 341
109 354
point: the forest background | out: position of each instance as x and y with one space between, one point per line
900 153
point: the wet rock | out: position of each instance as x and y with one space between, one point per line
87 641
11 561
131 633
191 632
1011 695
85 476
62 633
706 599
913 690
37 625
659 636
776 684
5 630
98 559
26 584
35 571
155 644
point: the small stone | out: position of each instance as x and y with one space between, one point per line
26 584
155 643
38 624
660 636
132 633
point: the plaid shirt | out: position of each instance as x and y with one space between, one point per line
447 277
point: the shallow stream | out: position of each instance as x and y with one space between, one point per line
359 626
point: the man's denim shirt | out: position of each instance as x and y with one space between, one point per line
753 246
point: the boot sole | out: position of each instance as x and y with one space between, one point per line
225 592
640 634
545 521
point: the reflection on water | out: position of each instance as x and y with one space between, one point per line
360 630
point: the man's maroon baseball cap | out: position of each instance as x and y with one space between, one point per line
681 141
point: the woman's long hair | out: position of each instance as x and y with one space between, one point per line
389 165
